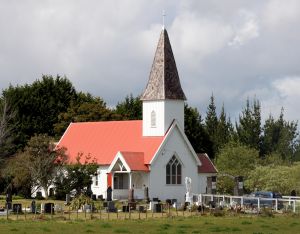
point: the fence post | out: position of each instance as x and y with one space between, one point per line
258 204
51 211
276 205
25 211
294 206
69 212
7 211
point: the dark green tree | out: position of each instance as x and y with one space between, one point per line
249 126
38 105
85 108
224 130
129 109
195 131
280 136
76 177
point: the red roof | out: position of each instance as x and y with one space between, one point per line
102 140
207 165
135 160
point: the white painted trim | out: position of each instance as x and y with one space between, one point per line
118 156
167 136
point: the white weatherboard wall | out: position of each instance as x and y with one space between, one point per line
166 111
158 187
102 182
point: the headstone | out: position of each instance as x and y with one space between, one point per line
211 185
125 208
188 185
100 197
157 208
94 197
8 204
109 194
33 206
146 194
68 198
131 195
17 208
111 207
238 189
47 208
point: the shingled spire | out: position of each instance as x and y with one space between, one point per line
164 81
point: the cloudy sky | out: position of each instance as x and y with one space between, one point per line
234 49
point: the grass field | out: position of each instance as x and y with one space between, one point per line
193 224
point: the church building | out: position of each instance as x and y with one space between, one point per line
153 152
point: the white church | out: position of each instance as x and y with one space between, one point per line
153 152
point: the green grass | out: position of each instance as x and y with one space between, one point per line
196 224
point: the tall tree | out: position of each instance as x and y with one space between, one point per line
84 108
211 124
42 161
224 130
195 131
249 126
37 106
130 108
7 115
280 136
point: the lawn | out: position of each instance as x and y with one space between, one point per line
192 224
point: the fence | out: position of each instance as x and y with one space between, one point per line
286 203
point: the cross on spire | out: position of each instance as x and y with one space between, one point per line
163 18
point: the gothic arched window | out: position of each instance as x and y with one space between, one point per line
173 171
153 119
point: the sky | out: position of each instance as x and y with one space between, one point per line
233 49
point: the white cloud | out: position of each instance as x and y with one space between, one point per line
279 13
247 31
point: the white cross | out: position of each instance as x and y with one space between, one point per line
163 18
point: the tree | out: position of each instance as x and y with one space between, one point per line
130 108
224 131
7 115
280 136
85 108
235 159
249 126
211 124
195 131
42 161
38 105
76 177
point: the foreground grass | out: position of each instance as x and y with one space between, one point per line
195 224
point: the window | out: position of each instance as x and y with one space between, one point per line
153 119
96 180
173 171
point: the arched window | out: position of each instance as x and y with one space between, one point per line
173 171
153 119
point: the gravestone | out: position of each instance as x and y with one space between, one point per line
130 195
238 189
111 207
146 194
109 194
47 208
211 185
33 206
68 198
8 204
17 208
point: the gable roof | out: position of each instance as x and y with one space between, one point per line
207 165
135 161
164 82
102 140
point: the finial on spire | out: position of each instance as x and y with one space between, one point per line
163 18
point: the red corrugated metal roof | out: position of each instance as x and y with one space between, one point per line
207 165
135 160
102 140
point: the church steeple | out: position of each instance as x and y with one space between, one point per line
163 98
164 81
